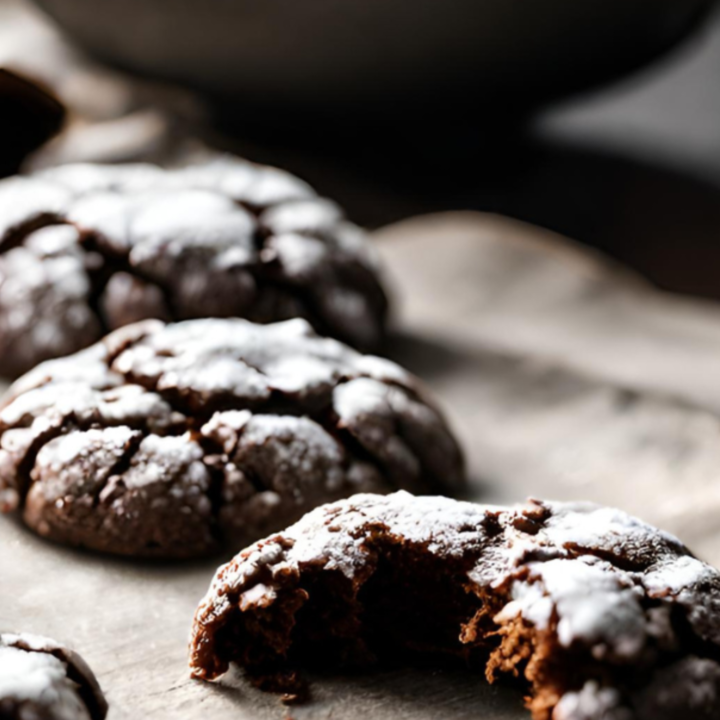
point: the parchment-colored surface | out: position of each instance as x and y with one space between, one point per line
564 376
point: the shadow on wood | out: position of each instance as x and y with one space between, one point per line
417 693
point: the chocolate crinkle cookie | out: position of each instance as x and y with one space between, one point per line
170 440
85 249
41 680
601 616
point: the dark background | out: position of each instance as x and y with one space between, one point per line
632 168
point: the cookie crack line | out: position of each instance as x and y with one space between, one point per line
121 465
280 400
213 449
378 577
113 264
17 235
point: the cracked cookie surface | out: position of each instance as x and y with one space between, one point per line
42 680
85 249
601 616
173 440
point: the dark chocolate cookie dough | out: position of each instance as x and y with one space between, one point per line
41 680
600 615
89 248
169 440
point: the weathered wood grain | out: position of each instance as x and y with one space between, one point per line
563 375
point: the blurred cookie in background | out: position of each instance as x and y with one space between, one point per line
110 116
88 248
29 117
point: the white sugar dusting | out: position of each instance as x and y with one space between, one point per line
592 701
38 677
677 575
594 604
313 216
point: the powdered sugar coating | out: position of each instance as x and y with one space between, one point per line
41 679
168 440
221 239
592 602
613 599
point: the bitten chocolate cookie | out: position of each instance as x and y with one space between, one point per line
169 440
89 248
602 616
41 680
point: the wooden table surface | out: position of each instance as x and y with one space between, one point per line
564 376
